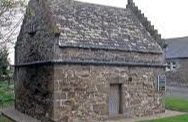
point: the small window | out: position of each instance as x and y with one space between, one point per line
168 67
32 34
173 65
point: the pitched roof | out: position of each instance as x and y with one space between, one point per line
146 23
177 48
97 26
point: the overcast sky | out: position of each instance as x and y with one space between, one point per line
168 16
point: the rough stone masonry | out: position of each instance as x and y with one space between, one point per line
81 62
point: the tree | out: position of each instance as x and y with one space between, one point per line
10 23
8 10
4 63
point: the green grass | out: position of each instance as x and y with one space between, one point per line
181 118
176 104
6 97
4 119
6 94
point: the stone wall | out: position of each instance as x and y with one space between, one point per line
72 93
76 54
146 23
34 91
82 92
37 36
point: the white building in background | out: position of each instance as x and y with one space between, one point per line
177 60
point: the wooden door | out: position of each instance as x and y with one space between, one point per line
114 100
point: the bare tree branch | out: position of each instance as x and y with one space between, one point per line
8 9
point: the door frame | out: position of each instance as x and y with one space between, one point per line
120 88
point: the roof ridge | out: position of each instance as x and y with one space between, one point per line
182 37
99 4
145 22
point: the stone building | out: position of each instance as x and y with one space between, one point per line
177 60
78 61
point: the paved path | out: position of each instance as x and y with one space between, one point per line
12 114
168 113
19 117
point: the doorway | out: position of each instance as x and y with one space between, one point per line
115 99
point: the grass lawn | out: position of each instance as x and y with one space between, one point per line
4 119
6 97
6 94
176 104
181 118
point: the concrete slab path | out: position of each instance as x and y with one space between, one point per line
168 113
16 116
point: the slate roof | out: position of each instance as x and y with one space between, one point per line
97 26
177 48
